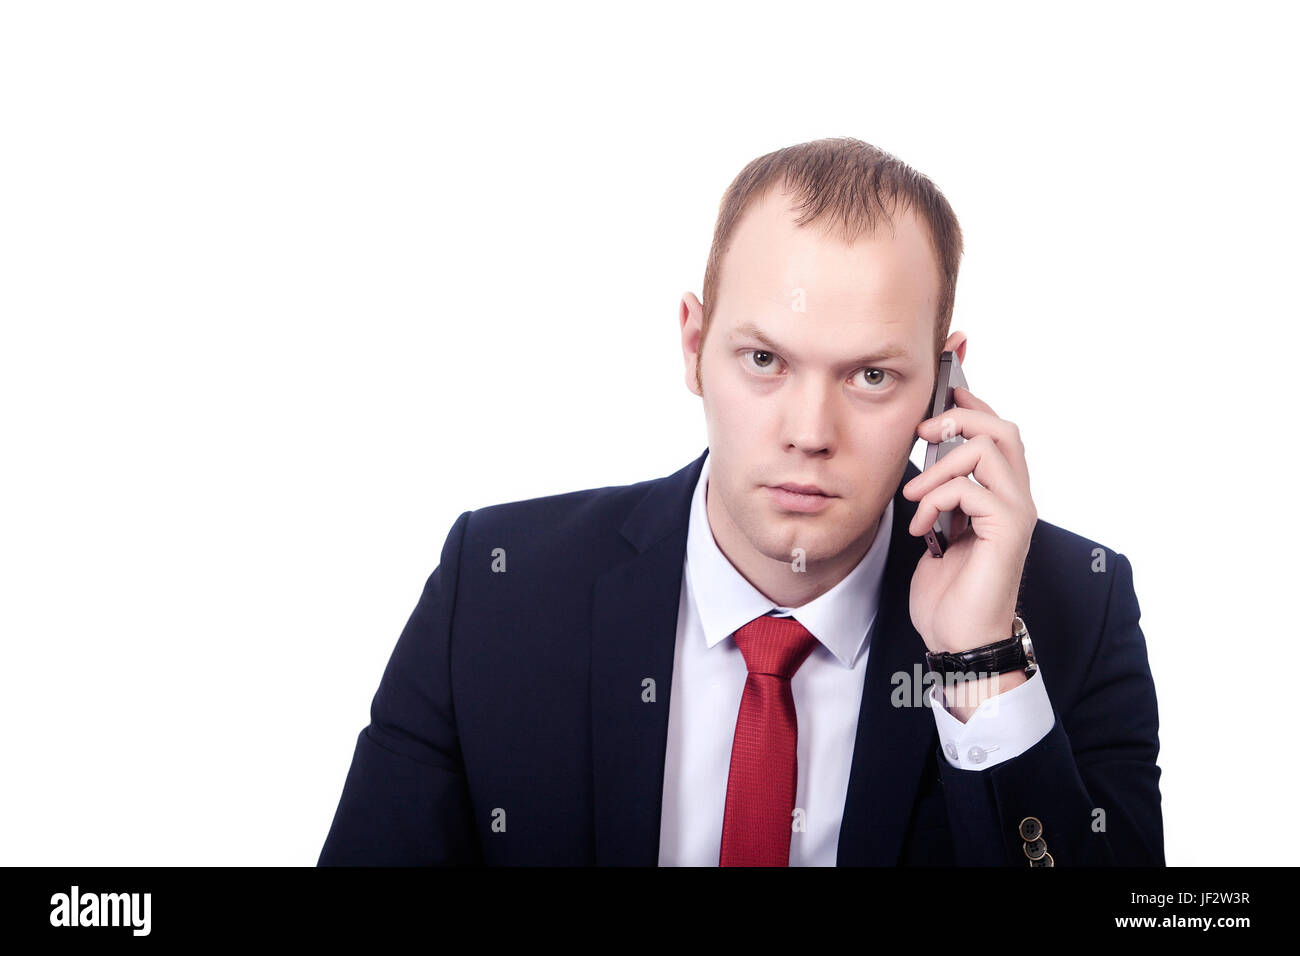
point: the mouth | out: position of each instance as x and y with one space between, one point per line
802 489
804 499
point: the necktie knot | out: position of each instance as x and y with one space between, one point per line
774 645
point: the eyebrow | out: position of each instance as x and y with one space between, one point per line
880 355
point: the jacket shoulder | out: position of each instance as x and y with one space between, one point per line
561 539
1052 543
564 515
1075 594
1075 571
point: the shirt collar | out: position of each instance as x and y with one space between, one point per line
840 619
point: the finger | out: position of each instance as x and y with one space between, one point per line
991 516
965 398
961 493
971 423
980 457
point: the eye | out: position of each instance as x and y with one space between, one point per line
876 377
760 361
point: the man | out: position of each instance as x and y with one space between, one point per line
725 666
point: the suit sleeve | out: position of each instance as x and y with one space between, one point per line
405 801
1094 791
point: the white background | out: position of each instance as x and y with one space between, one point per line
286 287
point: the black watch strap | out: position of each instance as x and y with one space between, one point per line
1013 654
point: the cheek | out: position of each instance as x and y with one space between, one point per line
733 415
900 424
890 426
883 445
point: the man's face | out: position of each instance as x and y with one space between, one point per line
818 366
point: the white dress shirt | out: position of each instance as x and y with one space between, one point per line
708 680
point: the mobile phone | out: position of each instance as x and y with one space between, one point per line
949 523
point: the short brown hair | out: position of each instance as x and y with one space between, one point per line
846 181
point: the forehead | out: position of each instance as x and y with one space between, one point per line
890 275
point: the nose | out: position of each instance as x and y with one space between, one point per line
811 418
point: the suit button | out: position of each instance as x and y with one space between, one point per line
951 750
1036 849
1045 861
1030 829
976 754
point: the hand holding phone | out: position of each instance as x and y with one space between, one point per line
950 523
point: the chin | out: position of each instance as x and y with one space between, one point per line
779 544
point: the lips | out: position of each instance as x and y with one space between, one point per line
795 498
803 489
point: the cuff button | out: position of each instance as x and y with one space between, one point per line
1031 828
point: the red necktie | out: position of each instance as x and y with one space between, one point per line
756 823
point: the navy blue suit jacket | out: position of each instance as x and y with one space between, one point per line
515 697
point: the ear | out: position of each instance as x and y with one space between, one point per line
690 315
956 343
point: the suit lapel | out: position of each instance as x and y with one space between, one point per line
634 634
892 742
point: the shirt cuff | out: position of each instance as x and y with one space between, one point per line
1002 727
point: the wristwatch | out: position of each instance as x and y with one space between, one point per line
1016 652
